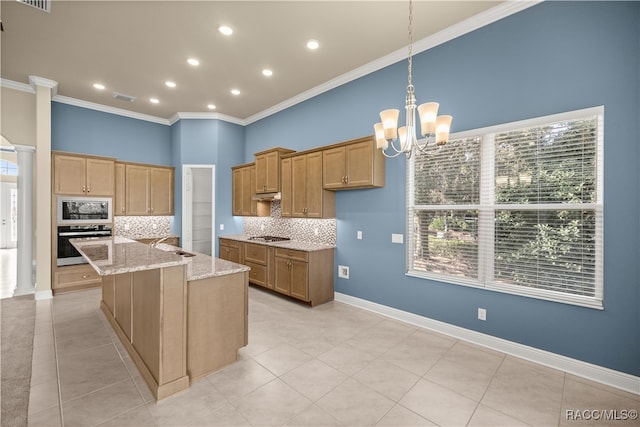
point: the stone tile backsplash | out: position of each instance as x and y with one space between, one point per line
139 227
303 229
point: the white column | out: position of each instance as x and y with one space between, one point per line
25 281
45 91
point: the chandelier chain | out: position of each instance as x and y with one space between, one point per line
410 31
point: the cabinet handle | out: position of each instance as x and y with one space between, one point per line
88 189
346 179
123 209
84 276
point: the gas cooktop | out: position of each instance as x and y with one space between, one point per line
269 238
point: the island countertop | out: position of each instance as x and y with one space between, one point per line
116 255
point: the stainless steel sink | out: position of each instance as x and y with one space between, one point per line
183 253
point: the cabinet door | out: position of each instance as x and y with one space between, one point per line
359 164
100 179
299 280
299 186
333 167
283 275
246 191
285 187
236 208
261 173
137 185
230 253
253 204
69 175
161 191
271 268
314 193
119 207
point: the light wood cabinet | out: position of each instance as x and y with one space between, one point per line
74 277
255 257
243 183
149 190
285 187
303 191
353 164
119 201
79 175
230 250
307 276
268 170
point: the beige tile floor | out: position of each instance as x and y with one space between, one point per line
330 365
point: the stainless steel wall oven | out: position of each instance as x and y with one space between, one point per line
67 254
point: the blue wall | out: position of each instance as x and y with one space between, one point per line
80 130
550 58
553 57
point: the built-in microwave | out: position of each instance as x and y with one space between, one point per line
84 210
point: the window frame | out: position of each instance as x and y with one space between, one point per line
487 207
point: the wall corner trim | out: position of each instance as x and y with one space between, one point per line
600 374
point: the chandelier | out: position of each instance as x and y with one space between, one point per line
404 140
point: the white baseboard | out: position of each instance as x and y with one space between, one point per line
610 377
48 294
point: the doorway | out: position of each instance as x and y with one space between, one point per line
8 218
198 207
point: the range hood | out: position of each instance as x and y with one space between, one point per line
266 197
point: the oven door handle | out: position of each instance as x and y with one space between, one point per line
93 233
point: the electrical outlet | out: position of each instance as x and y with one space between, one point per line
397 238
482 314
221 226
127 227
261 227
359 235
343 271
154 226
316 231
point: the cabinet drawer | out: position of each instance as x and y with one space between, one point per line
255 253
230 243
76 276
258 273
292 254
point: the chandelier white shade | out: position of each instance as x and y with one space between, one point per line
434 128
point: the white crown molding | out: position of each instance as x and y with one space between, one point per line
22 87
52 85
600 374
468 25
211 116
107 109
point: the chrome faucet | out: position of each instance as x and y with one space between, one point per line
158 241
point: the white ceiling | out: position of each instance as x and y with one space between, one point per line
134 47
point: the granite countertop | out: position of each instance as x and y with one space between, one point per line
115 255
288 244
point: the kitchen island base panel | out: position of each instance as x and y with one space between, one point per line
217 319
153 304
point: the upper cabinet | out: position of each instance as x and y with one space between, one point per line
353 164
149 190
78 175
268 170
119 201
302 192
243 190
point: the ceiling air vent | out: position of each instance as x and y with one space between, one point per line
123 97
44 5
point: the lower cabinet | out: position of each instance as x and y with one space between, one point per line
307 276
230 250
75 277
304 275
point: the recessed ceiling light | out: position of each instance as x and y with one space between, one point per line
235 92
313 44
193 61
154 100
211 106
170 84
227 31
267 72
98 86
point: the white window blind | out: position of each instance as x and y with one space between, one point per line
515 208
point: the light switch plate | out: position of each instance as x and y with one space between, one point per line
221 226
359 235
397 238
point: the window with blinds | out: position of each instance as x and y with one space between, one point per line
515 208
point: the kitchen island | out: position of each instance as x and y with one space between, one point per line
179 315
